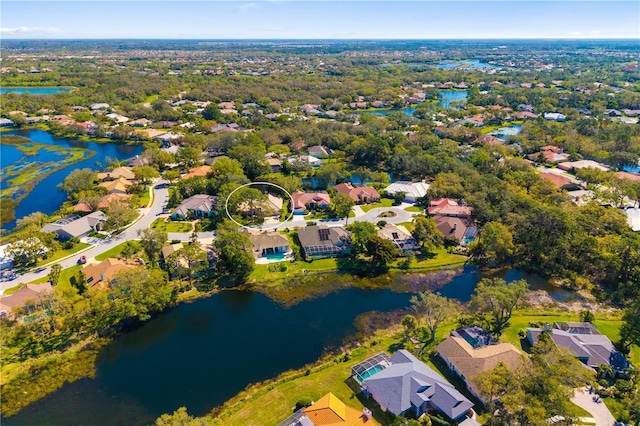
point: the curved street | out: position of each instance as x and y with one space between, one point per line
161 196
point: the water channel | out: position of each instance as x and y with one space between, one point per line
45 196
200 354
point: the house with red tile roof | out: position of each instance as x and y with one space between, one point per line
359 193
448 207
305 201
559 181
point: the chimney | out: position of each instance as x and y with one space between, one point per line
366 413
455 226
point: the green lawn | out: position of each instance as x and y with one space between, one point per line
65 278
113 252
160 225
263 276
414 209
440 260
60 254
384 202
143 198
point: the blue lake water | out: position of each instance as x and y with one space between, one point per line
200 354
34 90
447 97
466 65
45 196
504 132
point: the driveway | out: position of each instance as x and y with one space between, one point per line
598 410
148 215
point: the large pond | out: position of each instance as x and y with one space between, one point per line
448 99
200 354
34 90
45 197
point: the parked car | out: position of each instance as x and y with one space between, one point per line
82 260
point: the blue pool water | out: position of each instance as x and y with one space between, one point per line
370 372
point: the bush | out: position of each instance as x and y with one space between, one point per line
303 403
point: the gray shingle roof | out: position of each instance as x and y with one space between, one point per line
200 202
410 382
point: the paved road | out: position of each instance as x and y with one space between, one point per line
598 410
148 215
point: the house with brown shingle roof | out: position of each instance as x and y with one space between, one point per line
118 186
197 171
103 203
359 193
101 274
22 297
117 173
268 243
470 351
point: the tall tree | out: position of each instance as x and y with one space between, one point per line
234 257
495 243
630 329
495 300
54 274
381 252
435 309
426 233
144 174
190 258
78 180
152 242
341 205
360 234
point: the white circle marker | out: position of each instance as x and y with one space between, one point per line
261 228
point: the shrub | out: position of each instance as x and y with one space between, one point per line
303 403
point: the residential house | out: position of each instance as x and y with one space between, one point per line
359 193
571 166
525 115
197 206
554 116
458 229
305 201
98 106
412 190
585 342
102 274
407 386
628 176
313 161
5 122
633 218
117 173
118 186
550 154
469 351
399 236
271 206
448 207
275 164
317 241
141 122
103 203
24 296
202 171
170 249
320 151
75 226
329 411
559 181
268 244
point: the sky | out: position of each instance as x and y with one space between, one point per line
300 19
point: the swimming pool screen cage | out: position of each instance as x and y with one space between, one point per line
358 371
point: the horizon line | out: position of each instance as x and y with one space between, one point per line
325 39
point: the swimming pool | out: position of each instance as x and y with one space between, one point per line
370 372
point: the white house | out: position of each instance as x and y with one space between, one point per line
411 190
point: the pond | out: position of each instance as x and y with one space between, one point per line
45 196
472 64
504 132
200 354
447 97
34 90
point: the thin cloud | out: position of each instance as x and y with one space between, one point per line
28 31
248 6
